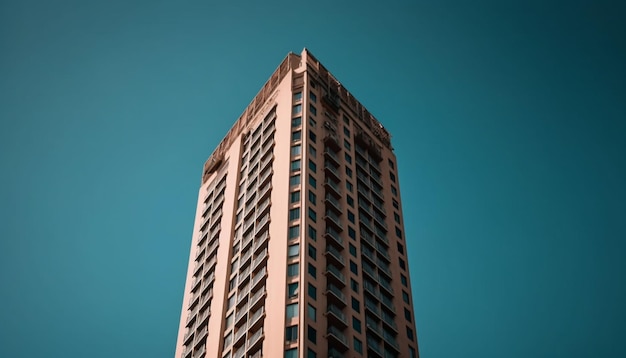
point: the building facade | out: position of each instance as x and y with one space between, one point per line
298 248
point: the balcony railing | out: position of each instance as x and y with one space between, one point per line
337 292
332 251
255 337
334 331
331 184
335 271
332 233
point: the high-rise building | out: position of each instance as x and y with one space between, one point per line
298 248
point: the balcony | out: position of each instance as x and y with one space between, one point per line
332 254
188 335
369 254
257 354
370 271
240 353
389 321
257 319
196 283
247 226
334 334
333 353
370 288
362 177
258 260
372 307
334 203
265 191
334 273
265 205
191 317
386 285
334 236
197 268
201 335
264 177
335 316
374 346
382 267
390 341
241 333
334 294
332 156
204 301
263 222
203 317
369 238
363 191
261 241
334 188
259 277
187 352
331 217
255 300
332 141
382 250
331 169
194 300
200 352
255 339
241 312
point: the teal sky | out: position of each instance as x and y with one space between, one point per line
509 124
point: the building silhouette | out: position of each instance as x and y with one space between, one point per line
298 248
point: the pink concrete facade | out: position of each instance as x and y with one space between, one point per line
298 247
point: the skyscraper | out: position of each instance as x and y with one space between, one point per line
298 248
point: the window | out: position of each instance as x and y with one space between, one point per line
292 310
352 233
346 144
312 198
297 96
312 136
358 345
393 177
346 120
409 333
356 324
312 271
349 172
310 353
294 180
297 109
394 191
297 135
312 334
292 290
354 285
312 215
296 150
291 333
391 164
349 186
403 280
402 264
312 181
356 305
400 248
312 166
348 158
396 217
312 252
312 122
293 269
352 249
354 268
312 151
413 353
351 216
312 291
312 313
346 131
294 197
395 204
296 122
293 250
399 233
291 353
295 165
405 297
229 320
407 315
313 97
294 214
228 340
313 109
294 232
312 233
348 199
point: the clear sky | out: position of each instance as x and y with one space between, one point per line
509 124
